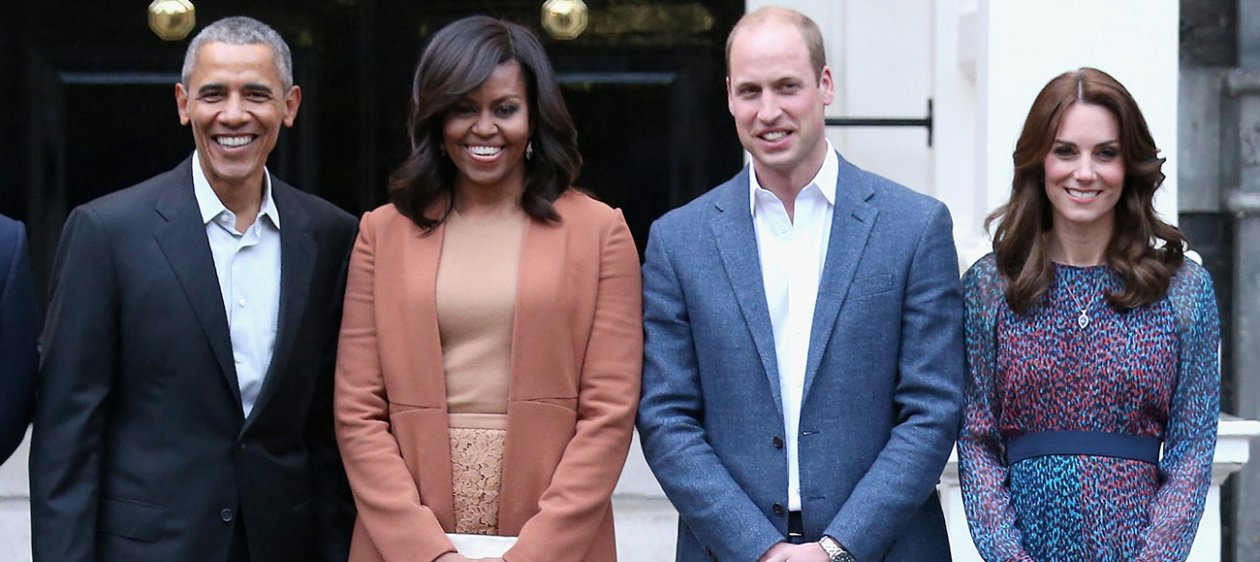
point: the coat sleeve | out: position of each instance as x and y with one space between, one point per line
77 376
928 399
710 502
388 501
1185 468
18 321
574 505
983 471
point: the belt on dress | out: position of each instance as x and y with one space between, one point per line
1143 448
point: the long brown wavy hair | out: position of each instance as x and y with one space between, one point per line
457 60
1144 250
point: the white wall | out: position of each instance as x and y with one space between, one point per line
1020 45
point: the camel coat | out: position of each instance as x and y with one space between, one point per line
577 348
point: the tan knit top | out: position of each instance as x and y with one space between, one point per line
476 296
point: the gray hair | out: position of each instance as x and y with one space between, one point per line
241 30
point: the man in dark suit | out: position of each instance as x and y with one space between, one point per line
18 356
184 407
803 366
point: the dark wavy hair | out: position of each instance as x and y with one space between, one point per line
1144 250
457 60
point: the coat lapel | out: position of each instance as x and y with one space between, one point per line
737 244
182 236
417 314
538 345
851 224
297 263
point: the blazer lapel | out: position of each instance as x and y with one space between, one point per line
851 224
297 263
737 245
539 343
182 237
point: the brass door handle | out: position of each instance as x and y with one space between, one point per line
172 20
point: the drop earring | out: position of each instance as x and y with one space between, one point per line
529 150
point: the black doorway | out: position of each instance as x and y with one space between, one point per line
88 107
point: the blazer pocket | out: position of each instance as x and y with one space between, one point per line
131 519
868 286
566 403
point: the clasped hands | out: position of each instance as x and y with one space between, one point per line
786 552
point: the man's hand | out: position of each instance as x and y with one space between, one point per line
784 552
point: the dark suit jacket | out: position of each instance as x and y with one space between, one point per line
18 356
883 377
141 450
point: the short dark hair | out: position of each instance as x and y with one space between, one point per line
241 30
458 59
1144 250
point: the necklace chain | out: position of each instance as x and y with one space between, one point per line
1083 319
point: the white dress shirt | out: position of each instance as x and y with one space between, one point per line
793 252
248 268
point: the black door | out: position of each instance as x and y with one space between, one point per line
88 105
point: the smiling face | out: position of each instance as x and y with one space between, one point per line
778 103
485 134
235 102
1084 170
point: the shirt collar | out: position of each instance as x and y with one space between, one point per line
211 206
825 179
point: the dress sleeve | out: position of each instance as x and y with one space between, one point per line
1185 469
983 473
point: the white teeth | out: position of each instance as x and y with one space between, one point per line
1083 194
485 150
234 141
774 135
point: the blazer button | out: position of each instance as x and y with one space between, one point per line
777 508
226 515
778 442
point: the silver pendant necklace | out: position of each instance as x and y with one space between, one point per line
1083 319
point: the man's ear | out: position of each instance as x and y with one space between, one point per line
292 100
181 102
827 85
730 99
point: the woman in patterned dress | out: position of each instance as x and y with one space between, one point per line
489 361
1093 391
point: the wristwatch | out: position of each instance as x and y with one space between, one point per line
834 550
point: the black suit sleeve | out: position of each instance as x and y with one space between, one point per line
334 505
79 369
18 356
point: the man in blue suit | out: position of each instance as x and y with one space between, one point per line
18 357
803 367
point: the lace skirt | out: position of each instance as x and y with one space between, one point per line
476 472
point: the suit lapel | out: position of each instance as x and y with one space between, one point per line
182 237
851 224
737 245
297 263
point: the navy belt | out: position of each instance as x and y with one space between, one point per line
1095 443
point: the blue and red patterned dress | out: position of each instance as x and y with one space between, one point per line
1146 375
